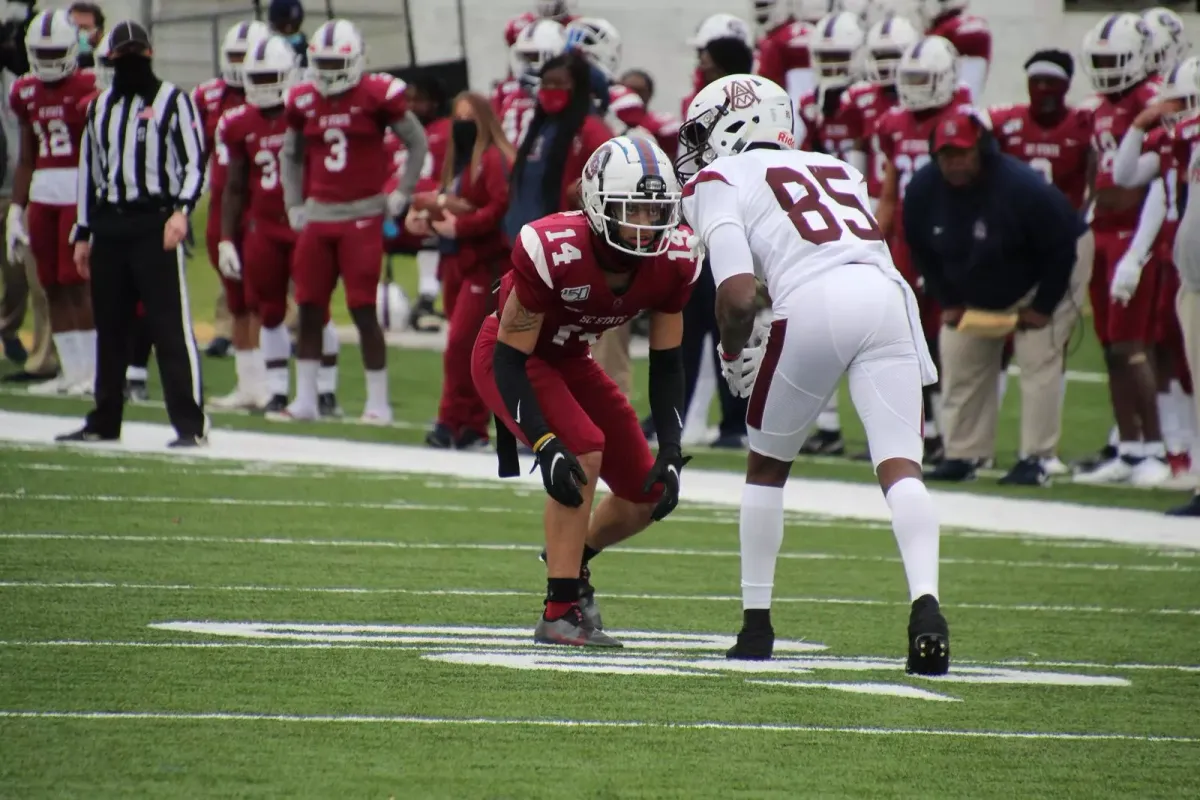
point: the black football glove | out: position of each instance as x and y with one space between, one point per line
666 471
561 474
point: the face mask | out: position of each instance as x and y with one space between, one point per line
554 101
133 74
1046 101
85 43
295 39
464 132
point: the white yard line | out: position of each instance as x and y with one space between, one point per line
616 551
831 498
221 716
689 598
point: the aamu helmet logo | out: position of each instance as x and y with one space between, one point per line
742 95
597 162
575 294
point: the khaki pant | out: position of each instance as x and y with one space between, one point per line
612 354
1187 304
21 288
970 364
222 319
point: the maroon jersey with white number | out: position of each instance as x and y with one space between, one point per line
213 98
1111 119
826 129
556 273
57 117
257 138
344 156
516 114
1059 153
863 105
904 135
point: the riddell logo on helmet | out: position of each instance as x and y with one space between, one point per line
786 139
741 95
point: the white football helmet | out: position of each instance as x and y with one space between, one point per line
728 115
237 42
1167 45
863 9
52 44
270 69
811 10
887 40
1182 83
554 9
599 41
337 57
104 68
392 306
722 26
629 184
770 14
835 48
930 10
1114 52
928 74
537 44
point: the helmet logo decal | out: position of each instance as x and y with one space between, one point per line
741 95
597 163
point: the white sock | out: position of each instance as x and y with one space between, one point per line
760 531
136 374
377 389
1114 436
87 351
829 420
306 384
276 346
1170 423
427 266
1154 450
327 377
915 523
68 357
1001 386
1131 449
1185 410
243 367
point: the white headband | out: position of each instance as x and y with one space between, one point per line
1046 69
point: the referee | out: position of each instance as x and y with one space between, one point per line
141 167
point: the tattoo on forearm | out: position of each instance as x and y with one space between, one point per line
518 319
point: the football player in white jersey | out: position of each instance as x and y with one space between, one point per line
801 222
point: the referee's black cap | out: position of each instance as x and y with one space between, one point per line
127 37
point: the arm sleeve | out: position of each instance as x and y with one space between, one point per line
1131 167
189 150
729 252
973 73
495 185
1154 212
409 131
1053 228
291 168
667 396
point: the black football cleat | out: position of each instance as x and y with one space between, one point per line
219 347
439 437
756 640
327 406
935 450
276 405
472 442
824 443
85 436
928 638
188 441
573 630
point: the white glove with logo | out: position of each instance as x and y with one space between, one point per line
696 245
1127 276
15 235
297 217
397 201
741 371
228 261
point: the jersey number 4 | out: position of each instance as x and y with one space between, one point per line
837 211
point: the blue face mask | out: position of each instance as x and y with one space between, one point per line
85 44
296 38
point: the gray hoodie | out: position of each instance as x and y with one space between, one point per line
1187 240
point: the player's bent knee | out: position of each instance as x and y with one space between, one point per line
763 470
893 470
591 462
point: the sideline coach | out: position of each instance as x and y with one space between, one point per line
141 168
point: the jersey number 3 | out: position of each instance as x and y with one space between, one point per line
836 209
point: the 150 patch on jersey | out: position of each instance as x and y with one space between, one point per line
575 294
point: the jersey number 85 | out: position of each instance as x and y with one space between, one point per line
822 215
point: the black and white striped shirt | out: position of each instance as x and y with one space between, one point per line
134 154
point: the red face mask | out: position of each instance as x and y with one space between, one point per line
1047 96
554 101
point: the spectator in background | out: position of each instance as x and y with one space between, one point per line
996 246
465 213
663 127
562 135
285 18
89 19
428 102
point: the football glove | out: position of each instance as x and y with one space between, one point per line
1127 276
561 473
228 261
666 469
297 217
397 201
15 236
741 370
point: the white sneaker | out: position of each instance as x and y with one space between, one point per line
1151 472
239 399
294 413
1055 466
83 388
376 417
1116 470
56 385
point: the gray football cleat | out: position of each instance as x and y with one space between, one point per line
572 629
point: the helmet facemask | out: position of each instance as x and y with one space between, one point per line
695 142
639 223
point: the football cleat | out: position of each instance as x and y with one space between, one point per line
935 450
293 413
376 416
928 638
56 385
1115 470
276 404
587 600
240 399
136 392
572 629
1151 471
327 406
425 317
756 640
472 441
439 437
84 435
824 443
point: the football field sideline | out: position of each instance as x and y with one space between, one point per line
829 498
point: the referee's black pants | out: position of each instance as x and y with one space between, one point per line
129 264
699 319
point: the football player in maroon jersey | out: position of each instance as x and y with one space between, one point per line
1124 285
576 275
968 33
46 104
332 169
782 54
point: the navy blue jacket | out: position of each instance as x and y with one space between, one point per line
987 245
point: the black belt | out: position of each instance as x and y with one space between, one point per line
135 208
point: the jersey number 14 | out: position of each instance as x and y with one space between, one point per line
822 215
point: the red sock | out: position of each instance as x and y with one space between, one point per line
556 610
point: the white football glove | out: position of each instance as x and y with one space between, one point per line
297 217
1127 275
741 371
696 245
397 201
15 236
228 262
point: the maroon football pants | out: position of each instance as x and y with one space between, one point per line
467 303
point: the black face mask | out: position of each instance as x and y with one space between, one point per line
134 75
464 132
